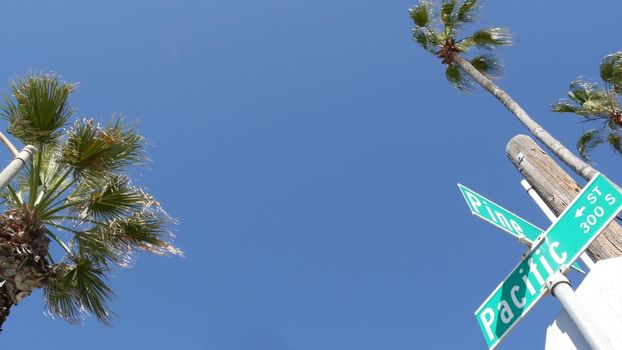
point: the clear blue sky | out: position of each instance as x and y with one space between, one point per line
311 153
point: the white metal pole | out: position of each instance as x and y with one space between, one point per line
8 144
560 287
16 165
589 263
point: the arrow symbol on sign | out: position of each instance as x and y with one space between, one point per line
579 212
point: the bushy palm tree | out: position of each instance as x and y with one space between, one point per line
598 105
440 38
436 29
75 192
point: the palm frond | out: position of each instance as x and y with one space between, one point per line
590 97
465 44
94 151
421 13
588 141
94 245
611 70
581 91
615 141
12 198
113 200
114 241
76 289
146 231
59 296
491 38
458 78
425 39
488 65
467 11
50 171
448 17
48 179
38 109
566 107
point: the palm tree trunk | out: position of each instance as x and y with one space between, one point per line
21 271
5 306
23 263
575 163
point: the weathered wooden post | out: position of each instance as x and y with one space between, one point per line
558 189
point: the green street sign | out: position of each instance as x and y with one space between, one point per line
581 222
502 218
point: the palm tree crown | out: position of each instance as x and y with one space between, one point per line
436 27
77 193
600 105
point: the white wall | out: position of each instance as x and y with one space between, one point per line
601 294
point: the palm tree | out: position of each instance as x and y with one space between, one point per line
75 192
436 28
599 105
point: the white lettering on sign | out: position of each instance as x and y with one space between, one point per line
558 259
495 216
527 282
545 263
505 311
518 304
516 227
533 267
488 316
610 199
592 218
475 203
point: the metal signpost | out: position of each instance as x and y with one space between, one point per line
16 165
553 252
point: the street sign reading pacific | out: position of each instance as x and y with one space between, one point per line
581 222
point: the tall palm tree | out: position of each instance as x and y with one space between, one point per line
76 193
598 105
436 29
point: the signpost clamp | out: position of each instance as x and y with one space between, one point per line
524 240
520 157
556 279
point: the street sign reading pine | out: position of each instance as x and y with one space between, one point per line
502 218
581 222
